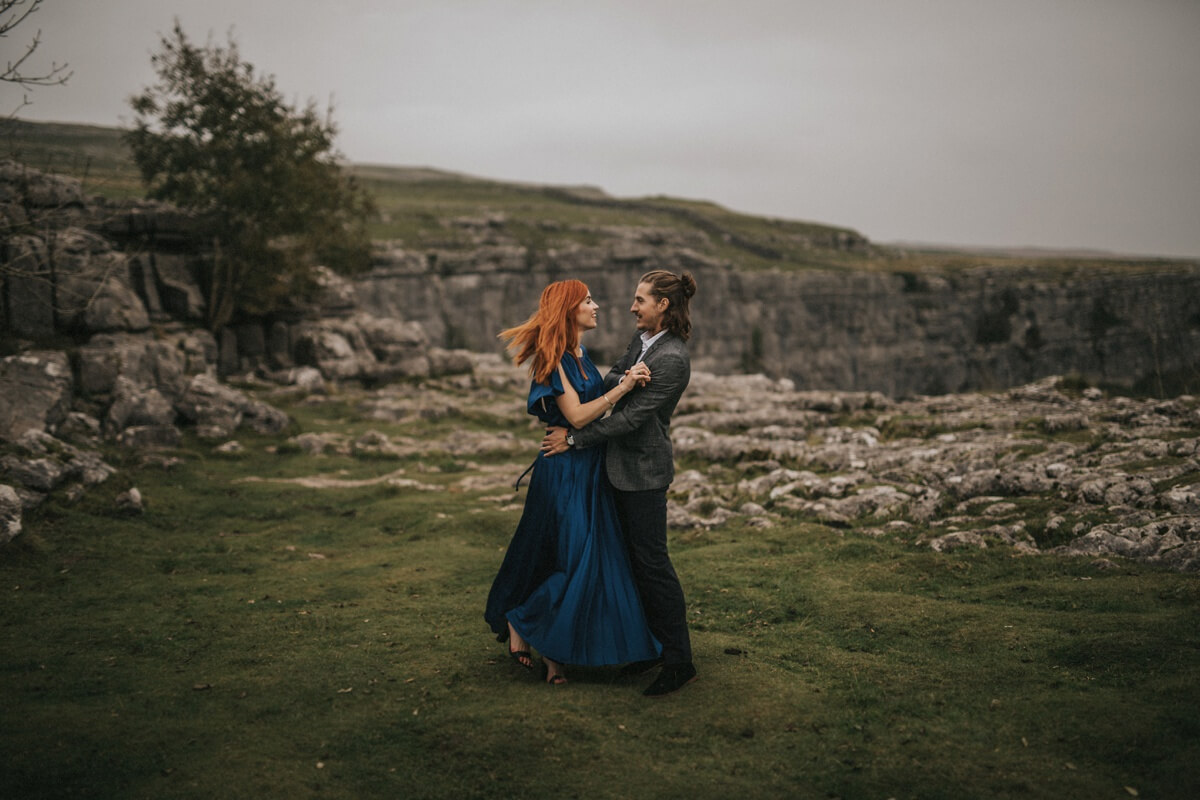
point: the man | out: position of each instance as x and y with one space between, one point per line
640 463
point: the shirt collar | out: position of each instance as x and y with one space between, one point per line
648 340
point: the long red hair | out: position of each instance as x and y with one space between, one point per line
550 332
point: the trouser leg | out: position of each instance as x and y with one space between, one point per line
643 517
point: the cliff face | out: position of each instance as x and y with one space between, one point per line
74 266
898 333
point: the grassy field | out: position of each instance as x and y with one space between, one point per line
250 639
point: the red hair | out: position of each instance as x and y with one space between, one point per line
550 332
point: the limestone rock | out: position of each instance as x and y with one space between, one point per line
130 502
29 307
35 392
148 437
10 514
957 540
218 410
177 287
133 405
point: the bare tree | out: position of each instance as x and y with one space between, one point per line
12 14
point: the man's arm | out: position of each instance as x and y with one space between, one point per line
669 380
555 441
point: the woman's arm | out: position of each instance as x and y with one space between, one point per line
580 414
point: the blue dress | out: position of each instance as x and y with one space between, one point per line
565 583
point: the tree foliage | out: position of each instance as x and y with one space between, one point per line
214 136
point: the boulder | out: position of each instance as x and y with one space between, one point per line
178 290
218 410
36 189
94 288
399 347
29 306
130 502
340 353
957 541
135 405
336 296
37 474
146 437
35 392
10 513
308 379
449 362
143 360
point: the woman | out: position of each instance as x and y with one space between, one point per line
565 585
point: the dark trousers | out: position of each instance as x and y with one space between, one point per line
643 517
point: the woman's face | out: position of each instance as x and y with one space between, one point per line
585 314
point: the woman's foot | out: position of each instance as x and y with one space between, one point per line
553 672
518 650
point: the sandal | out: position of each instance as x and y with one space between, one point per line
557 679
522 658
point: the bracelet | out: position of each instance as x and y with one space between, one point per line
611 404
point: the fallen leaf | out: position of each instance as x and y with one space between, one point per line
346 691
199 687
1131 790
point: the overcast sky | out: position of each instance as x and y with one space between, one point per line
1051 123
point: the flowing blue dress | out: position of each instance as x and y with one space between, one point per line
565 583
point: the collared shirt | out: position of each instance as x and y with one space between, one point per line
648 341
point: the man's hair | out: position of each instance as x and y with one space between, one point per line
677 289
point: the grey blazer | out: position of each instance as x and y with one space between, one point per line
639 455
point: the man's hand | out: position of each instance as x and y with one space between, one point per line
555 441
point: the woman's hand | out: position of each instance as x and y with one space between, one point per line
639 374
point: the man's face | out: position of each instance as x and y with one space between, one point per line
648 309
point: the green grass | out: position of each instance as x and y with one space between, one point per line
255 639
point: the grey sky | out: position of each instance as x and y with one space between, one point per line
1055 123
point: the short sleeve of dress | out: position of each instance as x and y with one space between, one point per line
541 400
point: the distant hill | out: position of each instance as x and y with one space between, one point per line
429 208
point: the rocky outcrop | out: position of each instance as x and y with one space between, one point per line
98 271
117 288
923 332
1037 468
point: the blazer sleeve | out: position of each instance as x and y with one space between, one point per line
668 382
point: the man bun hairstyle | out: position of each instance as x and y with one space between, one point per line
678 290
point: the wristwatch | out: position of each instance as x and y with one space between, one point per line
570 439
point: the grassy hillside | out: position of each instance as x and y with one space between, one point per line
435 209
91 153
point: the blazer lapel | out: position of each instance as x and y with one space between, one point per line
657 343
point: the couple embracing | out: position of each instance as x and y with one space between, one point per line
587 579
